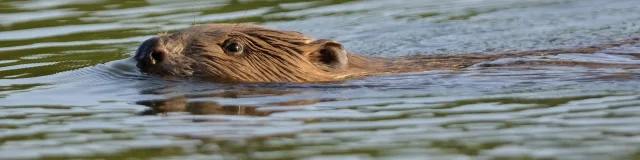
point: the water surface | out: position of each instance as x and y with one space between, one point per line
67 89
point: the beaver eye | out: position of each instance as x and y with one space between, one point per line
233 48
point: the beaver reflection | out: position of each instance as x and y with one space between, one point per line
180 104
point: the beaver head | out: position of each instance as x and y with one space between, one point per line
242 53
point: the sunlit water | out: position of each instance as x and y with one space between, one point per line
67 89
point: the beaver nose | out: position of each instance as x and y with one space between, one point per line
150 52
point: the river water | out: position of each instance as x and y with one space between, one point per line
68 91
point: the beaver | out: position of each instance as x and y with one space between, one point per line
249 53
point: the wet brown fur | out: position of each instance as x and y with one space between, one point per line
286 56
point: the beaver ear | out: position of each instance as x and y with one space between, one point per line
329 54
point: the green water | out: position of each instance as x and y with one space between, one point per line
68 91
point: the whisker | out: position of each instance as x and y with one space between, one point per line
234 27
194 13
153 18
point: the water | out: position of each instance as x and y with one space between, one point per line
67 89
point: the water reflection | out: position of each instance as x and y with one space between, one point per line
67 90
180 104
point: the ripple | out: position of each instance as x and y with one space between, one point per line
225 16
159 8
31 65
63 30
525 108
12 18
38 4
